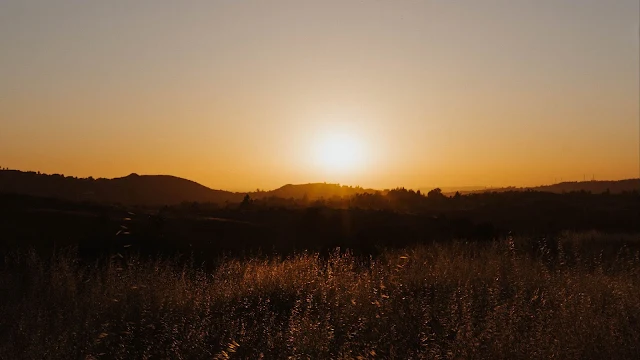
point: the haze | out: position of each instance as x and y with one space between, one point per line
243 94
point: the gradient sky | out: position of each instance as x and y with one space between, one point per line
237 94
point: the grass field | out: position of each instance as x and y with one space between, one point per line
573 297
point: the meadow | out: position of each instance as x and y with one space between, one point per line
572 296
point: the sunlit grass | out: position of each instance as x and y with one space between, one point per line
514 299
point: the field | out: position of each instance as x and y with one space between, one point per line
572 296
319 180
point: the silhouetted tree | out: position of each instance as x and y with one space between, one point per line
246 202
435 194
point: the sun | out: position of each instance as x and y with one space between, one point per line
340 152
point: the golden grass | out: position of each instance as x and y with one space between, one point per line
504 300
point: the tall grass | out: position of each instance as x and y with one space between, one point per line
561 298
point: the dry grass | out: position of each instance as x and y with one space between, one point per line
502 300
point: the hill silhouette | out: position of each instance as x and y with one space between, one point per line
153 190
132 189
615 187
592 186
313 191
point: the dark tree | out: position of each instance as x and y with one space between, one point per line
435 194
246 202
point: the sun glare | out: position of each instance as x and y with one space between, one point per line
340 153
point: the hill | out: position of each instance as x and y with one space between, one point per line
313 191
153 190
132 189
593 186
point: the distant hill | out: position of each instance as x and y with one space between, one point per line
171 190
593 186
313 191
132 189
152 189
450 190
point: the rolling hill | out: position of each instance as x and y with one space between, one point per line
151 190
132 189
593 186
156 190
313 191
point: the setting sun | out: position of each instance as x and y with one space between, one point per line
320 179
254 94
340 153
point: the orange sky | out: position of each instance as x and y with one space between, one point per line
243 94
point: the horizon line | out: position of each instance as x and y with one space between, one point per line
258 189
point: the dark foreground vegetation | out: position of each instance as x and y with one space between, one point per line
364 223
574 296
399 274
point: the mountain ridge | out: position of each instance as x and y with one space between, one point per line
155 190
594 186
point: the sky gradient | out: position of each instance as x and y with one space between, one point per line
238 94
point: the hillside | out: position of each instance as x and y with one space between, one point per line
593 186
152 189
132 189
169 190
313 191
